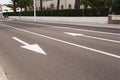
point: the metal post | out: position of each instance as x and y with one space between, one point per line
34 10
20 14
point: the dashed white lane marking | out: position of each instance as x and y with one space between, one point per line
98 38
117 34
76 45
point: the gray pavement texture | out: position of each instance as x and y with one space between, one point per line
68 57
88 22
117 26
2 75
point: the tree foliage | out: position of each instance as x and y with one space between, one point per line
25 4
94 4
116 7
22 4
14 5
99 3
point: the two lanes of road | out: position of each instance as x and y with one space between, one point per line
108 45
63 60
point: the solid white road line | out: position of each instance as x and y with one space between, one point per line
76 45
82 35
32 47
117 34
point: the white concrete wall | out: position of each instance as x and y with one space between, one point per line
115 17
103 20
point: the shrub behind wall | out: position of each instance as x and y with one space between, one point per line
81 12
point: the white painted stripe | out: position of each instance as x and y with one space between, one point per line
75 29
82 35
76 45
87 30
109 40
20 41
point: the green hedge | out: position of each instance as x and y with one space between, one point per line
81 12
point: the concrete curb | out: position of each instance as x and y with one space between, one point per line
2 75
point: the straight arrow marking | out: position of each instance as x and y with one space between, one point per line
32 47
62 41
82 35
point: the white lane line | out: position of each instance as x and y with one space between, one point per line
82 35
117 34
32 47
76 45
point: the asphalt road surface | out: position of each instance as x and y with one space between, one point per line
42 51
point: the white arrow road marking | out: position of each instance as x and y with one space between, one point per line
82 35
73 44
32 47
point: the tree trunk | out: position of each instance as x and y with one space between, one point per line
14 6
25 8
41 5
58 4
21 9
77 4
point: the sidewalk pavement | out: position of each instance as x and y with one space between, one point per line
89 24
116 26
